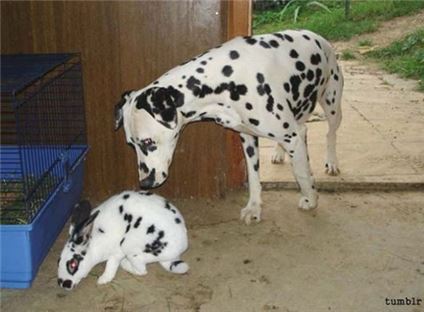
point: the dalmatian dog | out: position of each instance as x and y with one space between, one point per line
261 86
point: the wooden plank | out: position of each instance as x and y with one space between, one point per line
239 24
125 45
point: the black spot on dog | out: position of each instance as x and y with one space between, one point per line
250 151
101 230
300 66
294 54
122 241
264 44
161 101
280 107
234 55
318 44
260 78
286 125
306 37
333 112
256 166
203 62
128 217
126 196
288 37
250 40
310 75
280 36
295 83
198 89
150 229
287 87
315 59
274 43
235 90
137 222
271 135
308 90
336 77
200 70
249 106
227 70
188 114
121 209
177 220
254 122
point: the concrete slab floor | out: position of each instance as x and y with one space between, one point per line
353 252
380 139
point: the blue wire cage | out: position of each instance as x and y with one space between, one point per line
42 130
43 145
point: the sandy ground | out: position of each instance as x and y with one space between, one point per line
349 255
380 142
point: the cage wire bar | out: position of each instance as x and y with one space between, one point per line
43 130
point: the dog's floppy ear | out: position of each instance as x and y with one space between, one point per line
161 103
119 116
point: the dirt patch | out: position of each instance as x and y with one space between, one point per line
388 32
349 255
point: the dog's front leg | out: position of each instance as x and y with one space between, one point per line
251 153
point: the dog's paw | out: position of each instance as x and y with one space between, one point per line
306 203
331 169
277 156
251 212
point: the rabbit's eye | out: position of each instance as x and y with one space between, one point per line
72 266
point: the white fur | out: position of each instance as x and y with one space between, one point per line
104 238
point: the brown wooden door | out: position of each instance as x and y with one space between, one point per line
126 45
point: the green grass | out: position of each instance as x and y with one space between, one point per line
365 43
348 55
365 17
404 57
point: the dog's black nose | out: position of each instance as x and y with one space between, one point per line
148 182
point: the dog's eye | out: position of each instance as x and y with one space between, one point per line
147 142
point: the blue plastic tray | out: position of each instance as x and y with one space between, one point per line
24 247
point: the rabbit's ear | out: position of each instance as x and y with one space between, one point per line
80 213
82 231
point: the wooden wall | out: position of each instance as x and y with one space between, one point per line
126 45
